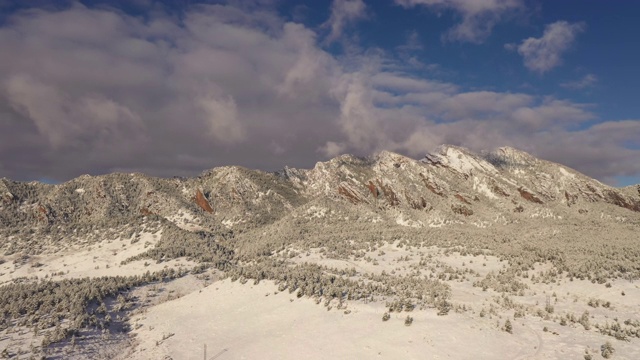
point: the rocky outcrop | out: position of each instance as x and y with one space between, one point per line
618 199
571 198
389 194
202 202
373 189
461 210
432 186
349 194
529 196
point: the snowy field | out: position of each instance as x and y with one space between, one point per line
247 321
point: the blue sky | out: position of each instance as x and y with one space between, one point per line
173 88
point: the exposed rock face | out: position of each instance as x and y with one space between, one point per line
373 189
202 202
462 210
389 195
527 195
571 198
618 199
349 194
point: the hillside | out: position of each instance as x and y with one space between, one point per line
480 238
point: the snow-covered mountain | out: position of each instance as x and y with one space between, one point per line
450 186
484 235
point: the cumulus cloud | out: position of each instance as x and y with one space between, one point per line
86 90
545 53
478 16
585 82
156 90
64 120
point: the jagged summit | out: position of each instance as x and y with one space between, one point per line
459 159
510 158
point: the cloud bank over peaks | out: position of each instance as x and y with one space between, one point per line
93 90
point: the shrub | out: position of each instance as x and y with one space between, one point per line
607 350
408 321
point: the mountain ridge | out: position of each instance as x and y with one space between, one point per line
450 186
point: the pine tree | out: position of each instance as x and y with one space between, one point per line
508 327
408 321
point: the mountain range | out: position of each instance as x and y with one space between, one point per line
450 186
485 236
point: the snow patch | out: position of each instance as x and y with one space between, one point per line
461 162
316 212
501 219
481 224
230 223
400 220
439 221
544 214
185 220
565 173
101 259
481 187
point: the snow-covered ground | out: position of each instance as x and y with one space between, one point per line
178 319
100 259
255 321
247 321
236 321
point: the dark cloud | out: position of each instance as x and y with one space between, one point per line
94 90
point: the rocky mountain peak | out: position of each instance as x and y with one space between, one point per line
390 159
459 159
292 174
510 158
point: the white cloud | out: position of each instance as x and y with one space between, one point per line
235 86
585 82
478 16
221 114
65 120
344 12
544 53
402 82
332 149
